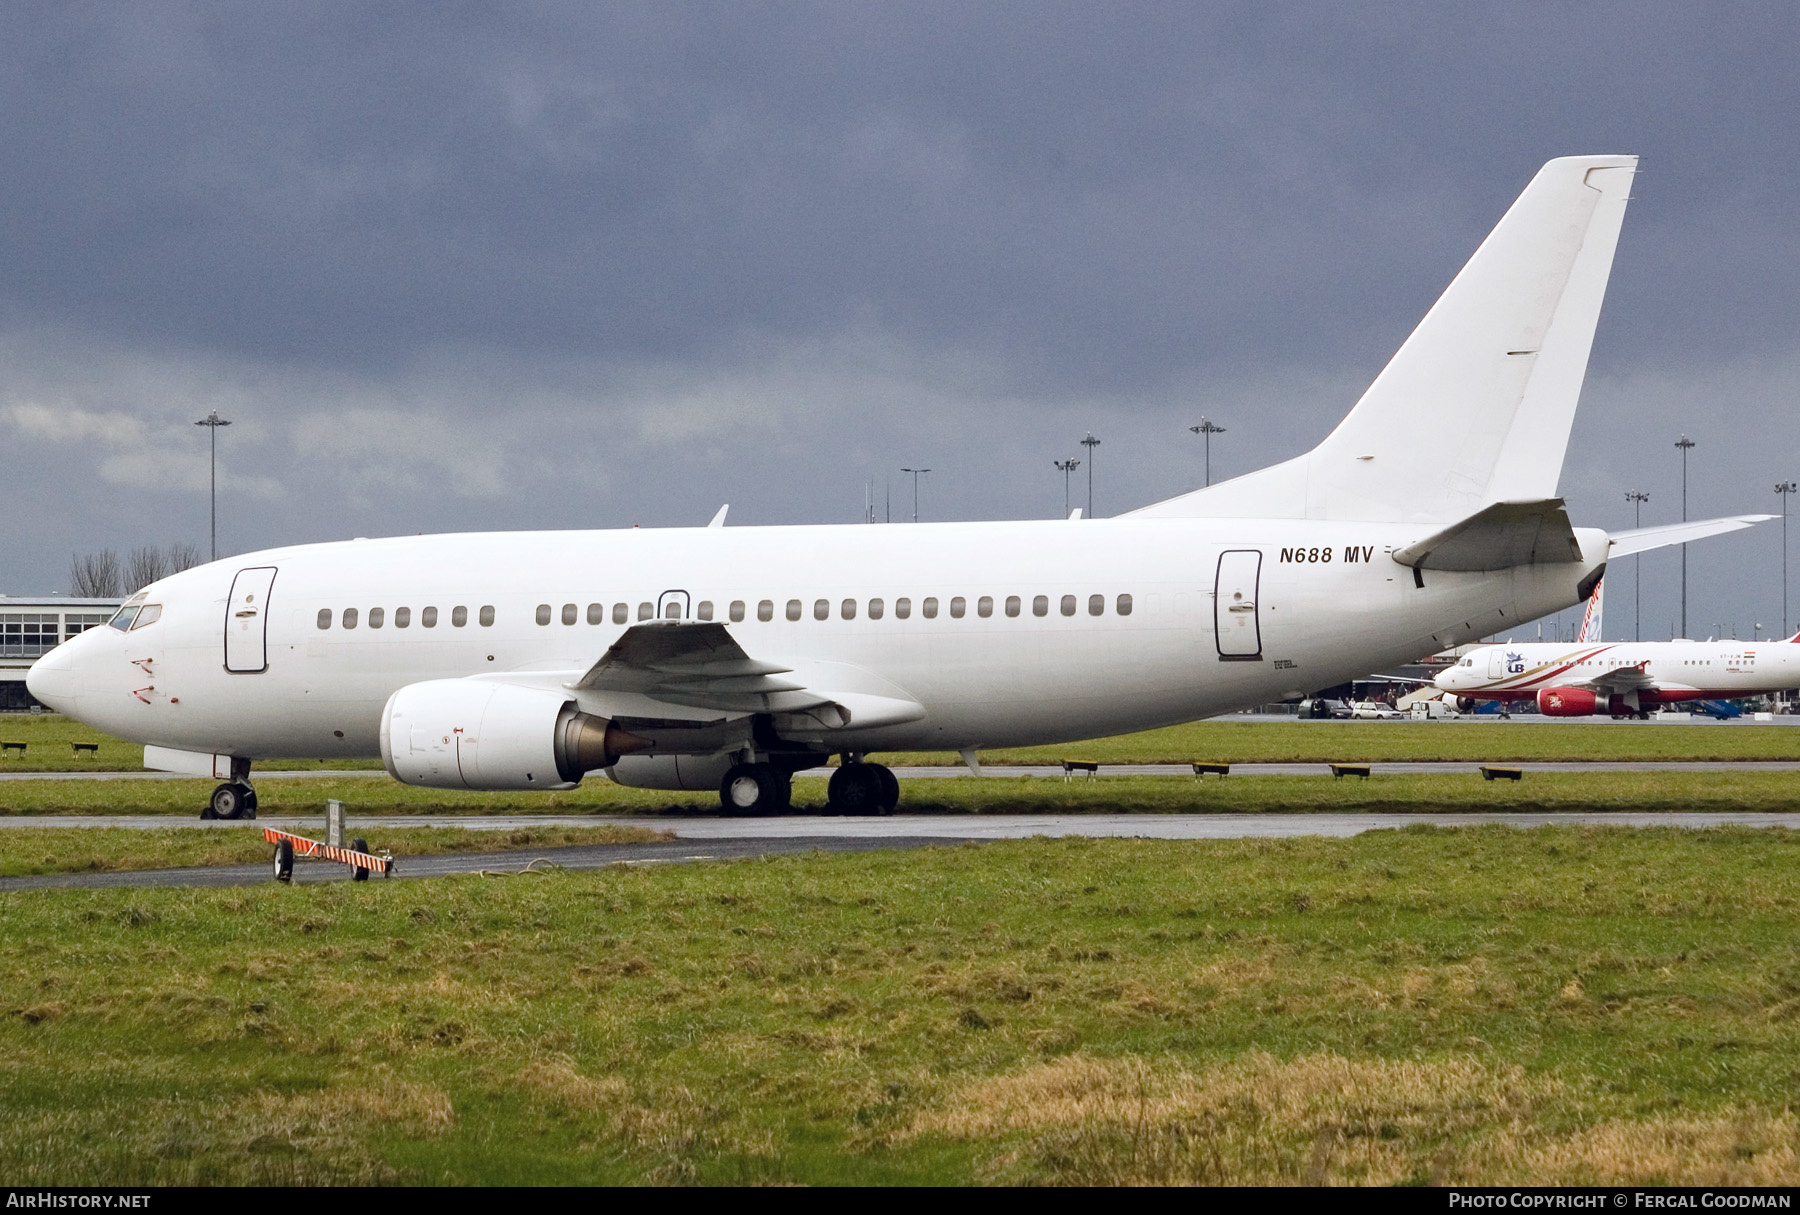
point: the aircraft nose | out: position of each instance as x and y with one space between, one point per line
51 680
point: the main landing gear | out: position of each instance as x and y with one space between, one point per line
234 799
855 788
862 788
756 789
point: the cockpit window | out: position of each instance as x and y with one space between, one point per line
150 613
128 613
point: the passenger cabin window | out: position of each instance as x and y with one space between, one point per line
704 611
646 610
1068 605
875 608
325 617
984 606
957 606
903 609
821 609
1040 606
1012 605
402 617
1096 605
673 610
428 618
459 616
349 618
1124 605
621 613
737 610
487 616
929 607
596 613
543 613
793 609
377 617
570 613
848 609
765 610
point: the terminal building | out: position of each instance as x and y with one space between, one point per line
31 628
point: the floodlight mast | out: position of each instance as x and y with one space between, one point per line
1066 467
1637 498
1784 489
1207 429
916 474
1685 444
1090 443
212 421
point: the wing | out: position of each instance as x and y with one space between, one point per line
1620 680
700 665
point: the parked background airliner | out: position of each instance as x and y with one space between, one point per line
1622 678
730 658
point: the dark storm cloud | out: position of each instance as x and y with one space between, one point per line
1102 192
438 258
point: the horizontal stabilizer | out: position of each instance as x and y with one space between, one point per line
1646 538
1499 537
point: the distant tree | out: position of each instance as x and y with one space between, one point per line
146 564
183 557
94 575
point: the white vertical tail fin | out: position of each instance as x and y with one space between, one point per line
1476 407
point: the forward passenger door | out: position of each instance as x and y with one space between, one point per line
247 621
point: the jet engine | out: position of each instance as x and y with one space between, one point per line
472 734
1567 702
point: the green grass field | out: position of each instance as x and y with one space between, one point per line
1479 1005
48 737
1416 793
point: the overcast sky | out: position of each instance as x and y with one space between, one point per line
454 267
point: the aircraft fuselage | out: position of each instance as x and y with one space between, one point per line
1011 634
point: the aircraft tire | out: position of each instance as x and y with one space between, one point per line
284 861
227 801
857 789
207 813
890 789
361 874
754 789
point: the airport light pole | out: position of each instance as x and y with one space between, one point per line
1066 467
1207 429
1090 443
1686 445
212 421
1637 498
1784 489
916 474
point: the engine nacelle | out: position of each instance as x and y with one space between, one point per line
691 772
1567 702
472 734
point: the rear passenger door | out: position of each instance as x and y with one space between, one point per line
1235 623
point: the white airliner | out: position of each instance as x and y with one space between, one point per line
1622 678
730 658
